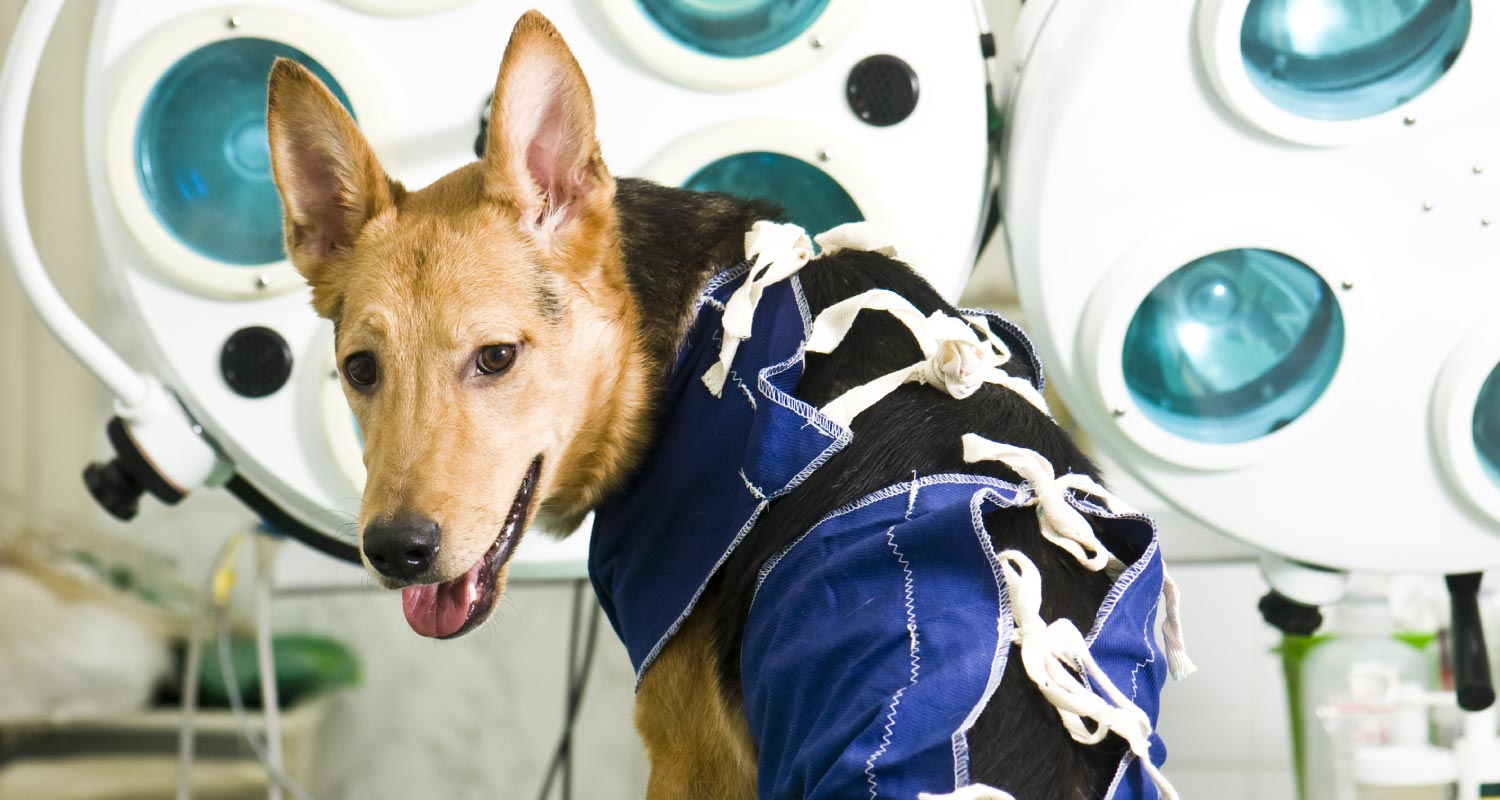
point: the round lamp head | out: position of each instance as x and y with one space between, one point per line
1233 346
1345 59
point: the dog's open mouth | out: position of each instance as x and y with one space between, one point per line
450 609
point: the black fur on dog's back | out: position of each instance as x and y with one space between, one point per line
1018 743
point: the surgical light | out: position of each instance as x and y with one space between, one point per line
1272 296
1233 346
201 153
1276 306
1343 59
1487 425
811 198
734 28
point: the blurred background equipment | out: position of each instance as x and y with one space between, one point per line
1255 240
95 630
1258 259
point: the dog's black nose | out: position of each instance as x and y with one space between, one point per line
402 547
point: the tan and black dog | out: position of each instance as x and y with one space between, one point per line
503 336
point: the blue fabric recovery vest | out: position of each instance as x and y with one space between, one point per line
877 637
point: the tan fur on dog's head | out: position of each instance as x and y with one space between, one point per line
520 250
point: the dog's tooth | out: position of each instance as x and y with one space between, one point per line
471 590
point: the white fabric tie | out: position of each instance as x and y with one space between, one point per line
1179 666
855 236
1067 527
1051 653
974 791
954 359
777 251
1061 523
983 324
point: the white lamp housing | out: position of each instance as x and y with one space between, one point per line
1257 242
417 77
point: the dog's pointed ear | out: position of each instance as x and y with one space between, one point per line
541 154
330 182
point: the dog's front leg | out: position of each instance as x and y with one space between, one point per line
698 742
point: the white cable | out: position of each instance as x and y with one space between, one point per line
265 553
185 738
17 78
242 717
216 606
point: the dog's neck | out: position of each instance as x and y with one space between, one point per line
672 241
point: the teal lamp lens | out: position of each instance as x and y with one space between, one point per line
1487 425
734 28
1346 59
201 153
809 195
1233 346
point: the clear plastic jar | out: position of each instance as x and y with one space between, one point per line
1353 687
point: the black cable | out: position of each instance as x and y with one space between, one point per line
577 680
578 675
285 523
565 746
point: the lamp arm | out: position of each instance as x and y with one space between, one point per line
17 78
154 426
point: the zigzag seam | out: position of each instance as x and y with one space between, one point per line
916 657
743 388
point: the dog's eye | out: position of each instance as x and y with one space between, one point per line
495 358
360 369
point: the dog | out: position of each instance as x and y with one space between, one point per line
525 340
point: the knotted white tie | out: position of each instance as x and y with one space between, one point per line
1051 653
954 358
1061 523
1067 527
777 250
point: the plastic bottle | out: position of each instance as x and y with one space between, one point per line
1352 686
1478 755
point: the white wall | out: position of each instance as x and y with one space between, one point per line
42 410
477 717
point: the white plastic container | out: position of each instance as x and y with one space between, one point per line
1403 772
1353 691
1478 756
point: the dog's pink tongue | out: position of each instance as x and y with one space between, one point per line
439 610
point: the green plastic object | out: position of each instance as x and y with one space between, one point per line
1293 650
306 665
